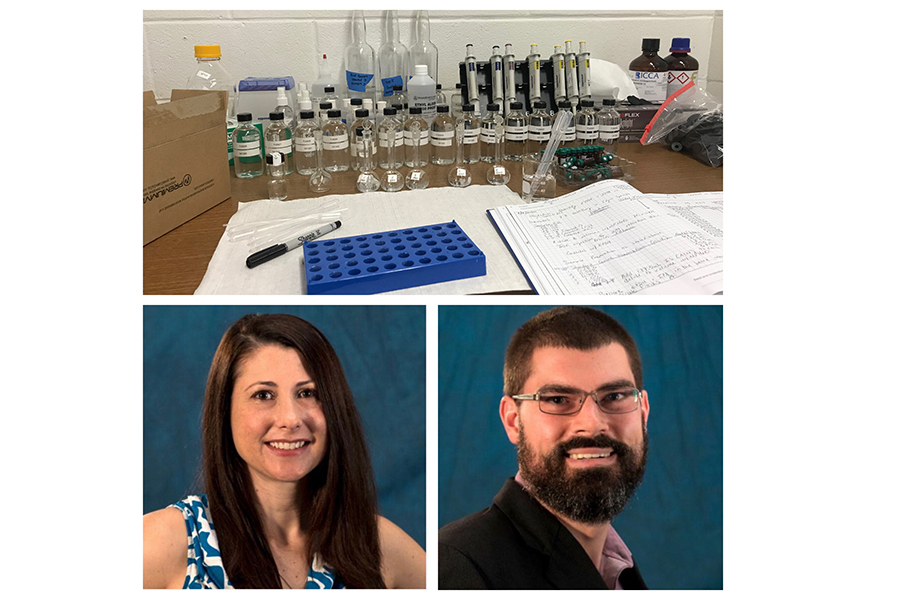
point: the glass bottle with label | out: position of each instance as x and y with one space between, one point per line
359 60
393 58
649 72
362 120
277 185
322 116
538 128
278 139
569 137
586 128
366 181
422 51
516 132
682 68
471 134
417 178
489 125
418 140
247 144
390 135
335 144
305 143
609 123
211 75
443 129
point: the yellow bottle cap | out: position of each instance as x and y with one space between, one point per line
212 51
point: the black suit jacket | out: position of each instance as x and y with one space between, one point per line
517 544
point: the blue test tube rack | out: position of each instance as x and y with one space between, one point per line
391 260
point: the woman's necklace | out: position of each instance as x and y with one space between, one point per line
285 580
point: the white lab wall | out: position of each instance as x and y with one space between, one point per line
278 43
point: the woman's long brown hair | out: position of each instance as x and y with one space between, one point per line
339 508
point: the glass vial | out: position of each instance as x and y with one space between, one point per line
443 150
417 139
538 128
247 143
586 128
278 139
459 175
609 123
489 125
335 144
305 143
471 134
516 132
417 178
277 184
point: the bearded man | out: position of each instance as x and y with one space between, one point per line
574 407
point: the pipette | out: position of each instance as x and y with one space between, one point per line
556 134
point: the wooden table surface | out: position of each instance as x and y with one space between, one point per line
176 262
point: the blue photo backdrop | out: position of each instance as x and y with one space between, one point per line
382 351
673 524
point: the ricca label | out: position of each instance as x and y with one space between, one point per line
159 190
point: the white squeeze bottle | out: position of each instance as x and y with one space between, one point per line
423 93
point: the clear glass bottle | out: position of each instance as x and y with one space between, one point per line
422 51
278 139
392 180
609 123
515 132
209 74
443 128
439 95
322 115
489 124
390 135
277 185
362 120
332 97
415 121
247 143
417 178
569 137
366 181
305 143
456 101
471 134
359 60
586 128
460 175
538 128
497 173
393 58
335 144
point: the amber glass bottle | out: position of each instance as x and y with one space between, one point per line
682 67
649 72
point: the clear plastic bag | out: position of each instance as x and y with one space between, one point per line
690 121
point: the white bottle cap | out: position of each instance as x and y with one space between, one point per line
306 104
282 97
381 104
421 70
367 104
346 102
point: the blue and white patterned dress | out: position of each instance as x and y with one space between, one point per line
205 569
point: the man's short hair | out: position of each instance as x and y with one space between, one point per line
575 327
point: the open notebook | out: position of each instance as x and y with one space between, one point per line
609 238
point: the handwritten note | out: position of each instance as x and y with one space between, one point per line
609 238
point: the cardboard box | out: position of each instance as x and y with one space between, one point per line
185 158
634 120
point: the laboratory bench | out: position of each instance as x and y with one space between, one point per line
176 262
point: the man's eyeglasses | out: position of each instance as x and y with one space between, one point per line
568 401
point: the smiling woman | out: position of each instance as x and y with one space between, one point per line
288 477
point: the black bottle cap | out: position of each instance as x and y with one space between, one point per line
650 45
415 110
468 106
334 113
493 106
307 114
398 106
355 101
362 112
276 116
564 104
244 117
324 105
609 102
458 85
587 103
389 112
437 86
329 88
398 88
539 104
515 105
442 108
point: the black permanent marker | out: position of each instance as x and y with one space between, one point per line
258 258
